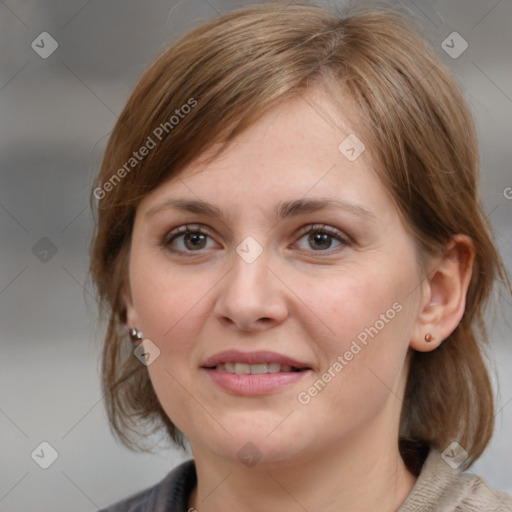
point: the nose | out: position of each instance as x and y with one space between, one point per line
251 297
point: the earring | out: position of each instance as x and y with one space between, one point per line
429 337
135 335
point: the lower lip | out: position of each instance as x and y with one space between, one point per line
250 385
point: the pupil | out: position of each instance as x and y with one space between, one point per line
321 239
195 239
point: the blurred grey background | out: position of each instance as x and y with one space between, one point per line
56 114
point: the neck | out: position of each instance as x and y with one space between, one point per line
362 475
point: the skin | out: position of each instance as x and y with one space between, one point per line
339 451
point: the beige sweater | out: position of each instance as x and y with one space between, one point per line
440 488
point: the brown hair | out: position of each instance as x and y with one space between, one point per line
229 72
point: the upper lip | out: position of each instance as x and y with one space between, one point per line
258 357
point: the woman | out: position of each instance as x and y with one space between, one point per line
289 232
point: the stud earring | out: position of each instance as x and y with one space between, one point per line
135 335
429 337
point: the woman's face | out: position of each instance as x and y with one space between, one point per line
337 304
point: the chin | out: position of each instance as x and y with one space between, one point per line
261 448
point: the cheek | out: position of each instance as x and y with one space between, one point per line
165 298
363 337
363 361
171 308
352 300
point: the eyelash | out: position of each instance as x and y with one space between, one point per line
314 228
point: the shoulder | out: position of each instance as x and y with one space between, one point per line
442 488
170 494
476 494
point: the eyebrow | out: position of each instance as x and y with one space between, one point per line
282 210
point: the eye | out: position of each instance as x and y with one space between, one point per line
191 238
187 239
320 238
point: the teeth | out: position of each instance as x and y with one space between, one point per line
254 369
242 369
274 368
258 369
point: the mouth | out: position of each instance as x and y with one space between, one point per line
253 373
253 363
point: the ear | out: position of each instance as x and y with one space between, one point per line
132 319
444 294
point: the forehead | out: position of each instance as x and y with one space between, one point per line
301 148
